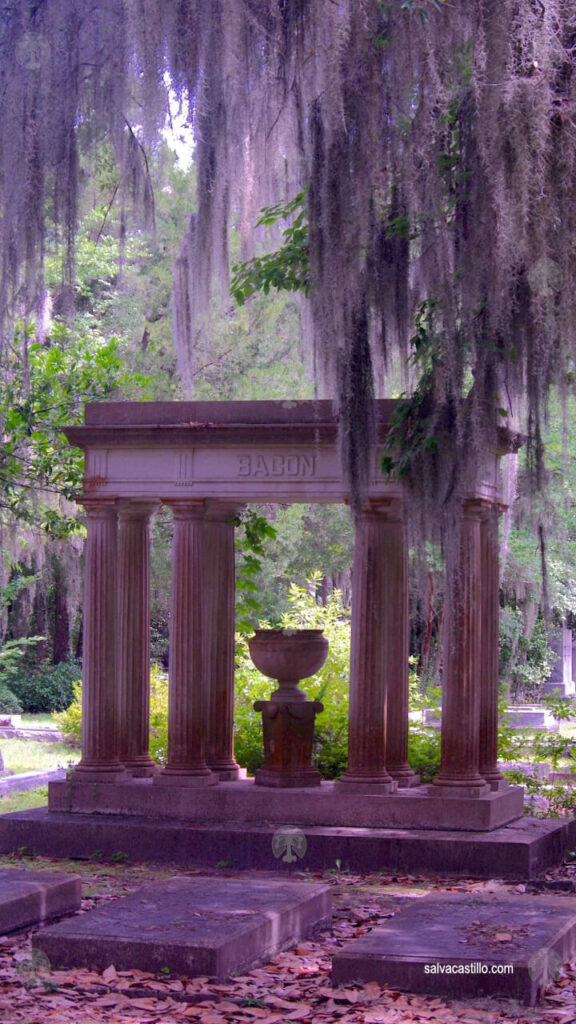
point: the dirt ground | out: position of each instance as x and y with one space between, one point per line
293 986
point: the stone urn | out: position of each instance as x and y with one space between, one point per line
288 716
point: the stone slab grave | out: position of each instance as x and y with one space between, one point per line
193 926
33 897
466 945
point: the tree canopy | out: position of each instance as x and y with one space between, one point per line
435 142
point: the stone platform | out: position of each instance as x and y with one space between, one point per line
465 946
245 803
33 897
521 851
193 926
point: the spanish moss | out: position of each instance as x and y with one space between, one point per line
437 145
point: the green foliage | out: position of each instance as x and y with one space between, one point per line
44 388
158 714
416 429
12 651
70 720
423 740
46 689
9 704
24 801
254 530
287 268
543 799
424 752
525 661
563 708
313 542
31 755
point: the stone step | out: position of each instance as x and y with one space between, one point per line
328 804
519 851
32 897
193 926
465 946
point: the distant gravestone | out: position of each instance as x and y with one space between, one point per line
560 681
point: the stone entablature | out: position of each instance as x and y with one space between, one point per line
245 451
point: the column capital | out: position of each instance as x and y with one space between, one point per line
385 509
186 509
222 510
477 508
99 508
136 509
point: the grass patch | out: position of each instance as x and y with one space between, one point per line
31 755
24 801
39 722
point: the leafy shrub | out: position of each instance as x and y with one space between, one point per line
45 689
70 720
424 752
158 714
8 702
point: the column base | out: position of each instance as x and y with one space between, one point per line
182 777
405 777
226 771
498 783
375 785
298 778
458 790
100 773
142 771
230 774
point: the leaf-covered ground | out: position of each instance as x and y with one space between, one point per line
293 986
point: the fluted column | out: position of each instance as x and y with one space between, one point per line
100 761
186 763
459 774
218 608
395 628
366 771
134 635
489 661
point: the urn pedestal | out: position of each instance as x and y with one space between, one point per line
288 716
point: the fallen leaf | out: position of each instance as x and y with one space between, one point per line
110 974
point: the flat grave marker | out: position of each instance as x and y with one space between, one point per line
466 945
33 897
193 926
